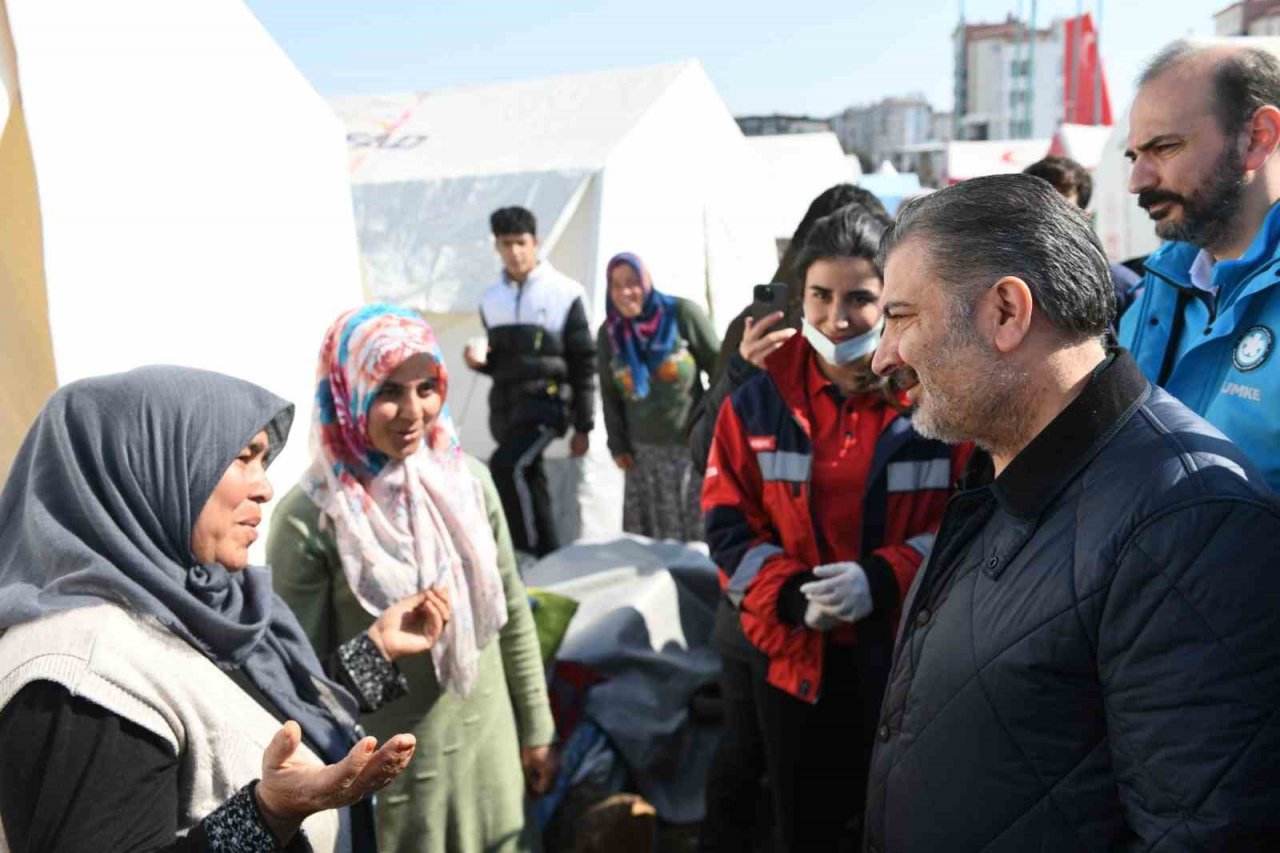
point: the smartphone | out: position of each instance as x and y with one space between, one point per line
766 299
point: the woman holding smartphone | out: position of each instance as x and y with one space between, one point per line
753 336
819 503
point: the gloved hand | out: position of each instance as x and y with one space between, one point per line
841 592
819 617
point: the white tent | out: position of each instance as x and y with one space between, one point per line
646 160
972 159
180 196
799 166
855 166
1084 143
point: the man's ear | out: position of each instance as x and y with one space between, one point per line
1010 304
1264 137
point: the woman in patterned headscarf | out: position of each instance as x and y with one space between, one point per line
392 505
652 351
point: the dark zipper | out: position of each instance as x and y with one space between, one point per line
1178 323
1175 336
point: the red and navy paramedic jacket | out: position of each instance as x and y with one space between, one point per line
760 520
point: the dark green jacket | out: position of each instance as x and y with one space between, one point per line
675 388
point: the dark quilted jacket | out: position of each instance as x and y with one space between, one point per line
1091 658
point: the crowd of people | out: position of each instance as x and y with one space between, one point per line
994 520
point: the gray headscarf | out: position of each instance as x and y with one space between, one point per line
100 506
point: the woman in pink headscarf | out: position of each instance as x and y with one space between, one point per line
392 504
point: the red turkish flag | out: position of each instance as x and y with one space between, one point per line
1081 75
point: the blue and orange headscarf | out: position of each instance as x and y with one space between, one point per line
642 342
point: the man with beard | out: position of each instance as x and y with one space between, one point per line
1203 134
1088 660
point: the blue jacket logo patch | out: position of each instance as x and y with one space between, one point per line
1252 349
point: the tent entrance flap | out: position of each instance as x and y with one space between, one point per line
26 346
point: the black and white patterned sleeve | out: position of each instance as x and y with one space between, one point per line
236 827
363 670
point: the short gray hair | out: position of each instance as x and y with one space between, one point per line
1244 80
984 229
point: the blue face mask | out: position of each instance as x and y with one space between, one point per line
847 351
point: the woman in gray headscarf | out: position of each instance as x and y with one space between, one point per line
145 667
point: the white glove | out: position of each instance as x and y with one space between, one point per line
841 591
820 617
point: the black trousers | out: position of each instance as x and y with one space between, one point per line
517 471
815 758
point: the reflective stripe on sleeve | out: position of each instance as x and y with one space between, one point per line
748 568
784 465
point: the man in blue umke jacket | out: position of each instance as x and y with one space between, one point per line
1203 135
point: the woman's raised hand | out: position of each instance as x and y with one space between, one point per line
758 343
294 787
412 625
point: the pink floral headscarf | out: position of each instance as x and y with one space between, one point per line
402 527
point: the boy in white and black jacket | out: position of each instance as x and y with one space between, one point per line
542 360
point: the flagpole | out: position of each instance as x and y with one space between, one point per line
1097 68
963 60
1074 72
1031 74
1020 51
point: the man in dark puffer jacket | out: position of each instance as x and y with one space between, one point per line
1089 661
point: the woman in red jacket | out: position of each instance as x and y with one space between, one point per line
820 503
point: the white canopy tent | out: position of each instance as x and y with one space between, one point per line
646 160
183 200
799 166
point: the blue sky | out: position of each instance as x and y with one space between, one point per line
795 56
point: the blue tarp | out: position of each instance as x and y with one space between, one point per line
891 187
